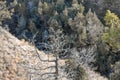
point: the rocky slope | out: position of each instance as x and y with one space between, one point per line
19 61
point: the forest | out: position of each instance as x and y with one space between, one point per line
83 33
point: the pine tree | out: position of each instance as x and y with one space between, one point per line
111 19
112 37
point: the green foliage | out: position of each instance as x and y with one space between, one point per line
45 7
4 13
94 27
75 2
115 75
60 7
112 5
111 19
76 72
22 9
64 24
88 28
104 59
77 25
112 37
32 27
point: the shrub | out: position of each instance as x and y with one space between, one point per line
111 19
112 37
74 71
115 75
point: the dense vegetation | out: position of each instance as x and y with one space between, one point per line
66 28
112 35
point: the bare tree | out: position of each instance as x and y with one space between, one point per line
56 46
84 56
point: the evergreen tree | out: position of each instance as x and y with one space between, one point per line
112 36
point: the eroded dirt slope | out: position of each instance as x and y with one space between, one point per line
19 60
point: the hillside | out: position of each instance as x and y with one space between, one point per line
19 61
80 37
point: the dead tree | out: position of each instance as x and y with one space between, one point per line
57 45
